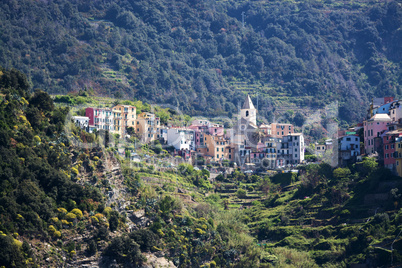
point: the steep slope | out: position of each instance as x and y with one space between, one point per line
197 54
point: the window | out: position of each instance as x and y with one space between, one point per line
295 149
386 147
217 156
347 139
230 156
217 149
386 155
222 150
246 113
230 150
290 128
392 146
397 163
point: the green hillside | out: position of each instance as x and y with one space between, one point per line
67 204
197 54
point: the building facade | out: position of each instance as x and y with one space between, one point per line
373 128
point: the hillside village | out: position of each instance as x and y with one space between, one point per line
261 147
246 145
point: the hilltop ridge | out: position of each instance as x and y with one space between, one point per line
197 54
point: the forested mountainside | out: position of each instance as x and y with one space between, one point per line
197 55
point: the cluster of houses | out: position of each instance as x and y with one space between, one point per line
381 133
267 146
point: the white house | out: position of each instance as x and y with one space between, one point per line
349 146
181 138
290 150
81 121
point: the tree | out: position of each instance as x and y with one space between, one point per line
42 101
241 193
125 250
113 220
341 173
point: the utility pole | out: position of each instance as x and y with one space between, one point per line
242 18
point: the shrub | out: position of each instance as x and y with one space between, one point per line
70 216
146 239
241 193
57 234
52 229
37 139
77 212
62 210
94 219
74 171
199 231
126 251
100 216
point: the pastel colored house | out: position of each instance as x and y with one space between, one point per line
125 116
389 140
216 147
395 111
147 127
180 138
373 128
379 105
279 130
398 155
81 121
100 118
348 149
290 150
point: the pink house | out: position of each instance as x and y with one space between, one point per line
216 130
389 149
200 129
373 128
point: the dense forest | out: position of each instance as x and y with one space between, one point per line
199 56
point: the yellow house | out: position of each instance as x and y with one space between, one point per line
217 147
147 127
124 116
398 155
